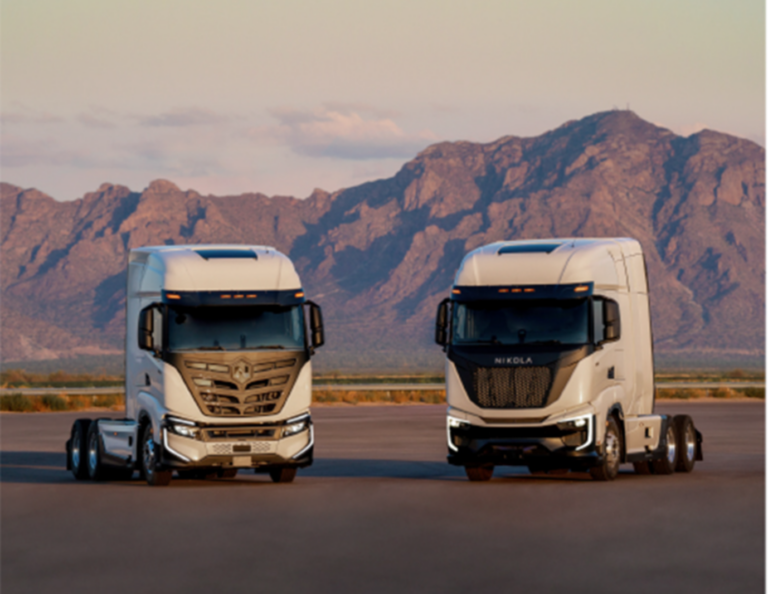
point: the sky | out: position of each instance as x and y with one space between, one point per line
282 97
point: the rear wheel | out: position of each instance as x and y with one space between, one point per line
96 470
149 461
609 467
667 463
284 474
686 443
78 448
479 473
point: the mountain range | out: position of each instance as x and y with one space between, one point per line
379 256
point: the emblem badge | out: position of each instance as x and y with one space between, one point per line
241 372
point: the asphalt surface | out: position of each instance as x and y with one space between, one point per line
381 511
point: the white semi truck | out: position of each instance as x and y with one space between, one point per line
218 376
549 362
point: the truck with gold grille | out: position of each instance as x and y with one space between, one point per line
218 372
549 362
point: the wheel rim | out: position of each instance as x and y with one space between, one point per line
76 450
690 443
149 452
612 450
93 454
671 446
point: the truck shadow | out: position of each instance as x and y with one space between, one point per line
50 468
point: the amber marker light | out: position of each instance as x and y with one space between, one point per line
456 292
503 290
517 290
299 294
253 296
239 296
530 290
226 296
172 296
581 289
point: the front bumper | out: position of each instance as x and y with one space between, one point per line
259 446
542 447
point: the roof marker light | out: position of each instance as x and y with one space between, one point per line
581 289
456 292
251 296
239 296
299 294
517 290
172 296
503 290
529 290
226 296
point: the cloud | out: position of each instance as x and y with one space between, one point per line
337 131
22 114
182 117
98 117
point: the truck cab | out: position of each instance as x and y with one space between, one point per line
218 373
549 362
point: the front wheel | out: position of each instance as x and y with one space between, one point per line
283 474
609 467
149 460
479 473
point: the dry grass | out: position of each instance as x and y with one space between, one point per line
378 396
60 402
719 392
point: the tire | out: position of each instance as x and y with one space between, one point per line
228 473
479 473
642 468
283 474
78 448
686 443
148 460
612 448
96 469
667 463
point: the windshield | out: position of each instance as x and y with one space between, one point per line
235 328
521 322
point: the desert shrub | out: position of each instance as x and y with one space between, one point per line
16 403
53 402
754 393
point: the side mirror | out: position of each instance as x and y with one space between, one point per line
612 321
441 324
316 325
146 327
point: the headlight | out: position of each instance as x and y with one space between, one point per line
576 431
456 423
294 428
183 428
296 425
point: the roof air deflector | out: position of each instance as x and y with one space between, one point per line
529 248
212 253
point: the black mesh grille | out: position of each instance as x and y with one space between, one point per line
511 387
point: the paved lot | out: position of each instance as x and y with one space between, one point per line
380 511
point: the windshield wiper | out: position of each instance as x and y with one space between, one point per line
218 347
267 346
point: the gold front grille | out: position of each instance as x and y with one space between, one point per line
239 384
512 387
